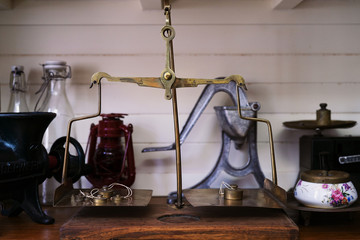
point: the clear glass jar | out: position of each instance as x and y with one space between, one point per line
18 90
55 74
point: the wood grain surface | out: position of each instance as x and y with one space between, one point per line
162 221
322 226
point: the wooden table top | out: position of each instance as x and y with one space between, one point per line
322 226
159 220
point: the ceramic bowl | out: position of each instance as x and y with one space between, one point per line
324 192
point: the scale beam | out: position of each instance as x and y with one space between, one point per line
156 82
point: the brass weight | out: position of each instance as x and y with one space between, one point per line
106 192
233 193
323 115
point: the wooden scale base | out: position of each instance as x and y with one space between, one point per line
162 221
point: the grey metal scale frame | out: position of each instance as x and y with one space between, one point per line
233 129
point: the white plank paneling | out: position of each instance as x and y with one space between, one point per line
285 4
274 98
292 60
151 4
192 39
275 68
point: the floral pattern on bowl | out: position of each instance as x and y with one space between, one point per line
322 195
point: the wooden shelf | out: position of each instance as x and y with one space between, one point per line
322 226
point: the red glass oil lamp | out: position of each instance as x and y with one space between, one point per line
111 154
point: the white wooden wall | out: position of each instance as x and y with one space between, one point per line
291 59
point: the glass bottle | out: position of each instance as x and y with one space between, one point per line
54 75
18 90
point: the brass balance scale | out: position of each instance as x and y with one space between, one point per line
270 196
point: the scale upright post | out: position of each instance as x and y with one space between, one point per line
168 74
